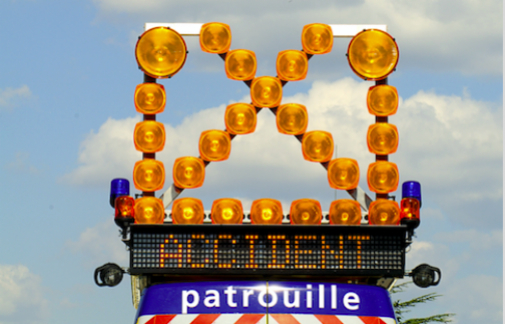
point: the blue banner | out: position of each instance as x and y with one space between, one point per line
261 297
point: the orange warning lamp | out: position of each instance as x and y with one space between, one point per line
240 118
317 146
292 119
227 211
266 211
215 38
150 98
305 212
188 172
266 91
382 100
240 64
124 212
214 145
317 38
383 177
292 65
382 138
149 175
384 212
373 54
149 210
160 52
345 212
187 211
343 173
149 136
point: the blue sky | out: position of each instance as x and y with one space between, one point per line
67 77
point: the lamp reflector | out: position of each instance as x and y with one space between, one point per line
292 65
149 175
345 212
382 138
160 52
124 212
215 37
266 211
150 98
149 210
240 64
343 173
382 100
149 136
373 54
266 91
383 177
305 212
187 211
317 38
227 211
214 145
188 172
292 119
240 118
384 212
317 146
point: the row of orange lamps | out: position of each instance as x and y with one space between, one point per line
160 53
265 211
373 55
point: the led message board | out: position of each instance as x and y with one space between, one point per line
268 250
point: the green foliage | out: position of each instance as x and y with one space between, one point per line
403 307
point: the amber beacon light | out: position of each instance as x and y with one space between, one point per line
160 52
240 65
305 212
150 98
215 38
373 54
227 211
187 211
240 118
149 210
266 211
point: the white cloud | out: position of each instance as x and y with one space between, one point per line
21 164
13 97
461 36
452 145
100 244
21 297
106 154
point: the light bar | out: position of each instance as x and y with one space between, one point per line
352 30
185 29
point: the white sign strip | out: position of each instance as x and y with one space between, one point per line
352 30
184 319
306 319
227 319
345 319
185 29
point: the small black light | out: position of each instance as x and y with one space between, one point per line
110 274
425 275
